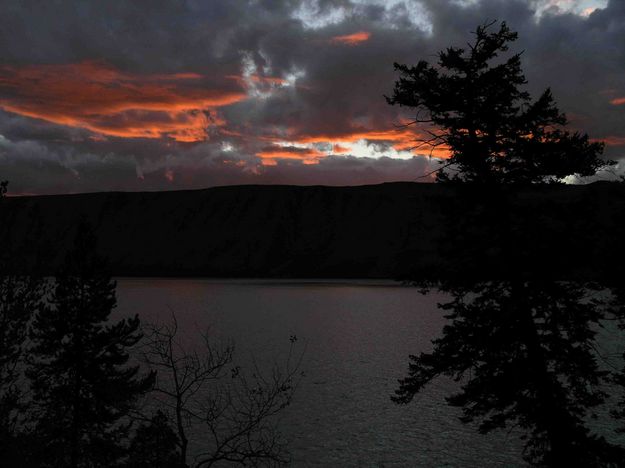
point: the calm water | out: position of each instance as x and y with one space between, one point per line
357 338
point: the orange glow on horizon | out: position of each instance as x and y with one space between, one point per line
351 39
270 157
180 106
106 101
618 101
338 149
611 140
359 134
401 139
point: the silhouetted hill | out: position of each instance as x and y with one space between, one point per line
382 231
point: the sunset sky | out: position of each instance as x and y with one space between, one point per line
160 95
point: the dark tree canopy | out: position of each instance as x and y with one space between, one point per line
20 297
494 130
155 445
525 355
619 377
82 384
522 349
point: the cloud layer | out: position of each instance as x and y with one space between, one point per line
153 95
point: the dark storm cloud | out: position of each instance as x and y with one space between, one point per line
302 75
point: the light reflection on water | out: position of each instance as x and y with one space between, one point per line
358 336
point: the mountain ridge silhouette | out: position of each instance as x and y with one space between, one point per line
391 230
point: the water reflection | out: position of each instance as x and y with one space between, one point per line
357 339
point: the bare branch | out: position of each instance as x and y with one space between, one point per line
236 409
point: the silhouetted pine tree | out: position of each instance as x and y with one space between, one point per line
524 353
20 297
83 387
619 376
493 129
522 348
155 445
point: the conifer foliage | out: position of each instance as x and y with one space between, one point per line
525 355
155 445
20 296
493 129
521 343
83 386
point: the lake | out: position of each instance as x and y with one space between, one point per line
357 336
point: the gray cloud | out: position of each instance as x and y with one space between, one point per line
334 88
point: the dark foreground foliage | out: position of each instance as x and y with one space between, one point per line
155 445
70 395
495 132
524 353
521 343
82 385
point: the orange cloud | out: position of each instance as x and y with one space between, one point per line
355 135
109 102
618 101
401 139
588 11
338 149
351 39
270 156
612 140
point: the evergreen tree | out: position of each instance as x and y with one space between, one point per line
522 349
83 387
524 353
20 297
619 376
155 445
493 129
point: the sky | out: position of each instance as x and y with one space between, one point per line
183 94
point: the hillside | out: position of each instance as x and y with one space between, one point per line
382 231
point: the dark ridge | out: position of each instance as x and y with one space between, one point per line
393 230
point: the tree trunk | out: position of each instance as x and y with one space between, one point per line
553 419
184 442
